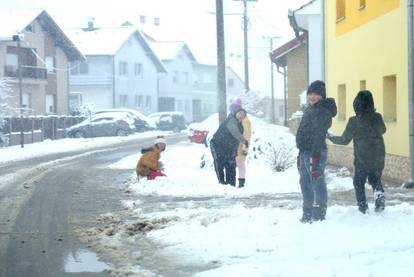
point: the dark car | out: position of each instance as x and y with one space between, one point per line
104 124
169 121
142 123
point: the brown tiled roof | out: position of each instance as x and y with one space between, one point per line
287 47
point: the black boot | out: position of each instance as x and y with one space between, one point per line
379 201
318 213
241 182
307 216
362 207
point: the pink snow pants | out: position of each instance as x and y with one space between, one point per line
154 174
241 167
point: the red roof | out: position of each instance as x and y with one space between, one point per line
287 47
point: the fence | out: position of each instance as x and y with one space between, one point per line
36 129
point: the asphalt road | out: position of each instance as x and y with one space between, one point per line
43 201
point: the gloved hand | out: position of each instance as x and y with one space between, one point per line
246 143
315 173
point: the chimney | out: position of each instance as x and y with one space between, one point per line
91 21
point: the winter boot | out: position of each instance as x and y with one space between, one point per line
318 213
363 207
241 182
307 216
379 201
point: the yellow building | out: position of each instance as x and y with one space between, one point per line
366 48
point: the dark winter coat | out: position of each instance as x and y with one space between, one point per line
316 121
366 130
228 136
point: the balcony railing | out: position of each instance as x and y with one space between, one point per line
31 72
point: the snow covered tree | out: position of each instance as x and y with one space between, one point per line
252 103
4 94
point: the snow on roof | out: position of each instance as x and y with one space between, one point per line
167 50
105 41
16 21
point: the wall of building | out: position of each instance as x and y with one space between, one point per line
359 50
297 77
135 86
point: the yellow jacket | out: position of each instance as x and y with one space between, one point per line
148 161
247 134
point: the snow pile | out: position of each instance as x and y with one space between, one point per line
186 178
271 145
272 242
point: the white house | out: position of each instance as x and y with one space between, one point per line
176 87
309 19
121 70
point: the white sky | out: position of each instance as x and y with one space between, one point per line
189 20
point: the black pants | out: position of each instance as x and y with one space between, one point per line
360 178
224 165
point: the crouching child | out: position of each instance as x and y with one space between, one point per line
149 164
366 129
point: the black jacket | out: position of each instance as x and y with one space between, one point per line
228 136
316 121
366 130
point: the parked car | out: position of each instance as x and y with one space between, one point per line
169 121
4 140
142 123
103 124
198 132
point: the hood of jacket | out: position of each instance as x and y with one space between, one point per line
364 103
328 104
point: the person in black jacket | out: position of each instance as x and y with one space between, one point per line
311 162
366 130
224 146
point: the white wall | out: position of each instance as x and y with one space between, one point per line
181 91
315 48
132 52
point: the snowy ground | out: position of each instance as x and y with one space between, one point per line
244 240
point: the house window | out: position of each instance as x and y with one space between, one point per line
50 103
157 21
50 64
175 77
187 106
230 82
79 68
362 85
390 97
27 101
179 105
340 10
123 100
148 101
142 19
342 102
138 69
140 101
30 28
123 68
11 62
362 4
186 79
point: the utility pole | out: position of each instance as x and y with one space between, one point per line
410 35
221 63
19 74
246 47
246 44
272 81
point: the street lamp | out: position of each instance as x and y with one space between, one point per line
17 39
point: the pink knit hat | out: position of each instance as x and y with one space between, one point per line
237 101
